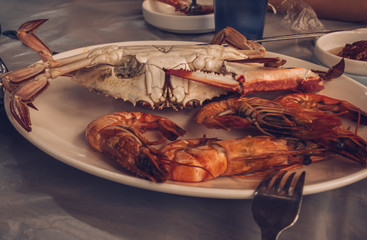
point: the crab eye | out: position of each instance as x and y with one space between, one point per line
129 67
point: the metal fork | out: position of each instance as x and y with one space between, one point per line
276 206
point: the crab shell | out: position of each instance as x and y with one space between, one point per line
138 74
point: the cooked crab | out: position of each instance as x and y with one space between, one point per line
157 76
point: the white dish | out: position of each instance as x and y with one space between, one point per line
327 45
163 16
65 109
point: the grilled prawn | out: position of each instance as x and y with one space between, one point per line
120 135
282 119
201 159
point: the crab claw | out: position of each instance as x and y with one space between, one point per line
235 39
21 99
20 112
334 72
266 79
25 34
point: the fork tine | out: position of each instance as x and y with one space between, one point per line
298 189
288 183
264 184
278 180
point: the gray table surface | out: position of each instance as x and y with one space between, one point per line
42 198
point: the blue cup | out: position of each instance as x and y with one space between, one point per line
246 16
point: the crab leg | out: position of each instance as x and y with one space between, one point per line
26 83
20 75
22 94
26 35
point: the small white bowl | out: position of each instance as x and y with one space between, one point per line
327 46
166 18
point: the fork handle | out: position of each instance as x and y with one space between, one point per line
269 234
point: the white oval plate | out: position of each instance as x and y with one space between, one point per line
166 18
327 45
65 109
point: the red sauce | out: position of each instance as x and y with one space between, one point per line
356 51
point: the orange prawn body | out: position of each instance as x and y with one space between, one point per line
196 160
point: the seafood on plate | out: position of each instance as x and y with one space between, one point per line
281 114
120 135
310 117
312 102
196 160
158 76
184 6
